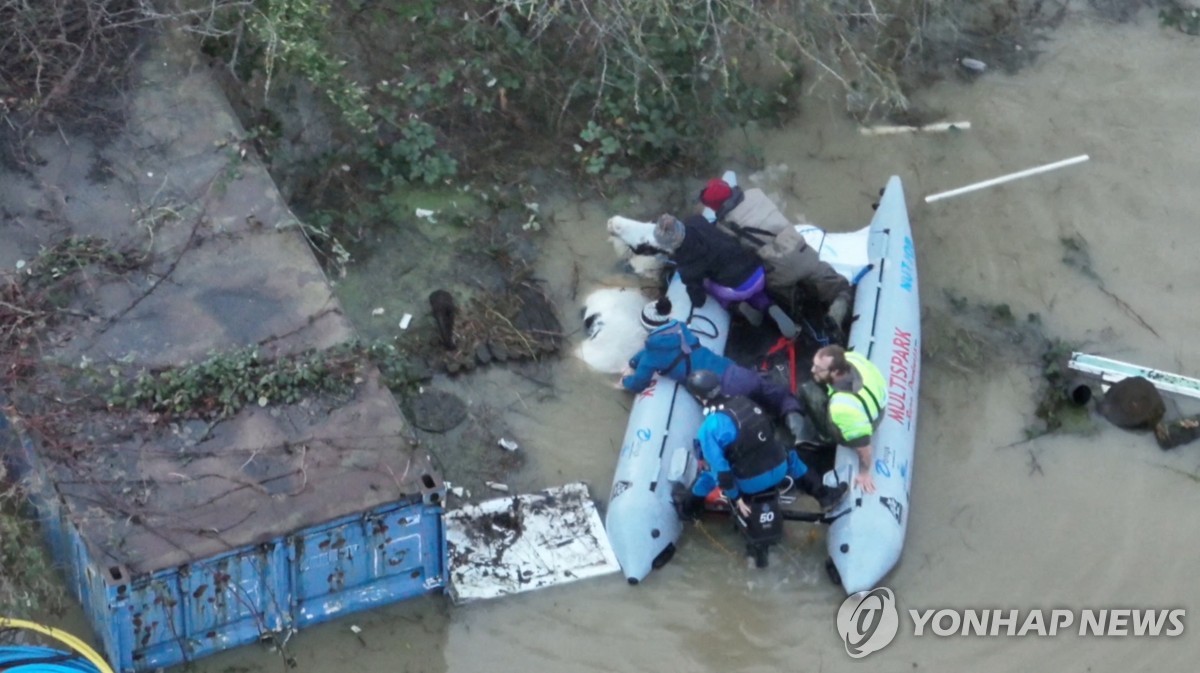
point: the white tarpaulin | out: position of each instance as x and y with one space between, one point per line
525 542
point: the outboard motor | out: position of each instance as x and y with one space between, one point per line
763 527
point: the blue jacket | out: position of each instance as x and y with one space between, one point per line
663 352
719 431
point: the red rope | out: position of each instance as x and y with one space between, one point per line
790 345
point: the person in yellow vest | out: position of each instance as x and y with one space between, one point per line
851 406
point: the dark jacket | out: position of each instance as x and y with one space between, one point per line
708 252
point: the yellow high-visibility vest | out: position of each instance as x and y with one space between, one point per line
855 414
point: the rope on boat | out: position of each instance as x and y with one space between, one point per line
716 543
34 659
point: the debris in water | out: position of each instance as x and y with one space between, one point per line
1133 403
927 128
377 311
507 444
404 321
503 488
441 303
974 65
519 543
1178 432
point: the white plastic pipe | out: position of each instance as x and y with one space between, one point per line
928 128
1007 178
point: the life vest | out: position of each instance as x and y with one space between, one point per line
855 414
755 450
685 349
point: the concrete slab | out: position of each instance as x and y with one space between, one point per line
226 268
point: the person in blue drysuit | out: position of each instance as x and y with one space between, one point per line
742 456
674 351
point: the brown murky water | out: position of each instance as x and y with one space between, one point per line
1071 522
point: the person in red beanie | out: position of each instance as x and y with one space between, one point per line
720 196
791 265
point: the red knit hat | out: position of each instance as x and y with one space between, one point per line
715 193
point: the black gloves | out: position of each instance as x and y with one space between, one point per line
697 295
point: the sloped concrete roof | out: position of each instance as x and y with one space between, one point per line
227 268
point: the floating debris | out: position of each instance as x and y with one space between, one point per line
507 444
972 64
1178 432
1008 178
445 310
524 542
1113 371
496 486
1133 403
937 127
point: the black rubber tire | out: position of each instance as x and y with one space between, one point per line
664 557
832 571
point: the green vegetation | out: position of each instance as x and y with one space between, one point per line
28 582
1175 14
225 383
1056 411
30 301
975 338
459 92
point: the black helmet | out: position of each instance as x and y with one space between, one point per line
704 385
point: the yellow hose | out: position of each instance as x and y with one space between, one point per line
63 637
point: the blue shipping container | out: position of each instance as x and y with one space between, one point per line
191 521
169 616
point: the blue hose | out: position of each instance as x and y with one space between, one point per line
32 659
861 272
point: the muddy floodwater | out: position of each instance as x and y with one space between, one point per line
1102 520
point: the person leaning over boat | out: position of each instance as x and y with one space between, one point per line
742 456
754 220
710 261
845 400
674 351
